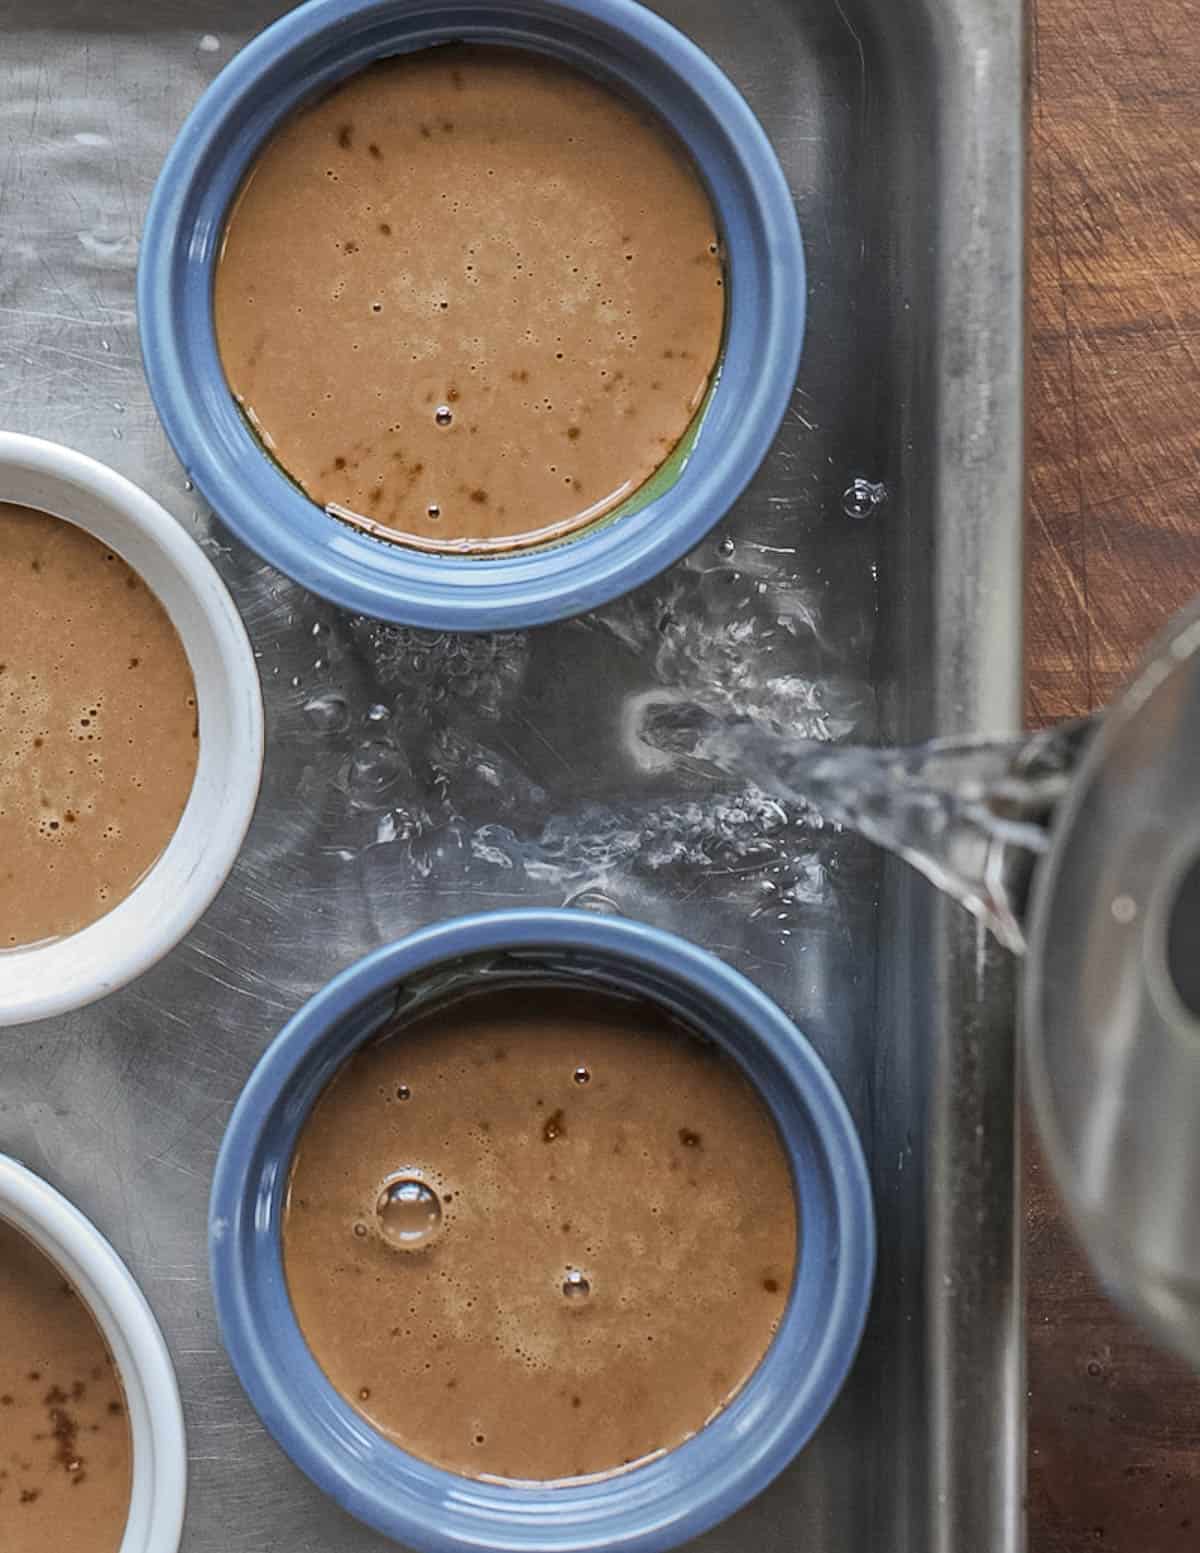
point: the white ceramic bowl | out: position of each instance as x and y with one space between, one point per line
69 972
85 1258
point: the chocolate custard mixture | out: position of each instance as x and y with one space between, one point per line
471 296
98 738
539 1234
65 1448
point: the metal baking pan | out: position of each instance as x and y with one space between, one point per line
411 777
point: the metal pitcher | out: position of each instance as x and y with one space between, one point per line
1083 848
1111 1003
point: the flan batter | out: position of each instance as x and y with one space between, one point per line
472 296
98 730
65 1448
539 1234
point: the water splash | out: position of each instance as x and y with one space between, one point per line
969 814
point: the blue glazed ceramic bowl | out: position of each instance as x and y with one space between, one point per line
304 55
648 1507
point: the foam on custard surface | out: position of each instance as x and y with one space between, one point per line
539 1234
471 295
98 730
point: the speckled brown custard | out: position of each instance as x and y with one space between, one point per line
539 1234
65 1448
472 296
98 732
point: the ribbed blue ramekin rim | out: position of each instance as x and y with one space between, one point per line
309 50
648 1508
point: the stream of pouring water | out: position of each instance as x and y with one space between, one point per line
970 814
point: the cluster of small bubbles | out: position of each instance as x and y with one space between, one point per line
431 667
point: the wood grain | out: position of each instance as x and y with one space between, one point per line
1113 548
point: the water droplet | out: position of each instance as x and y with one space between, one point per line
433 510
1124 908
582 1076
377 713
403 1092
360 1230
862 497
725 549
105 346
575 1285
327 713
443 415
209 44
410 1213
188 486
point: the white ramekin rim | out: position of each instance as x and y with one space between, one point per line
158 1492
68 973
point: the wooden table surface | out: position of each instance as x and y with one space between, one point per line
1113 548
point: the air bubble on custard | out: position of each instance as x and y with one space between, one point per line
409 1212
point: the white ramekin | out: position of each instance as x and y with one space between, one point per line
69 972
159 1487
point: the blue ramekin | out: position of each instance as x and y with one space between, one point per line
304 54
648 1507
